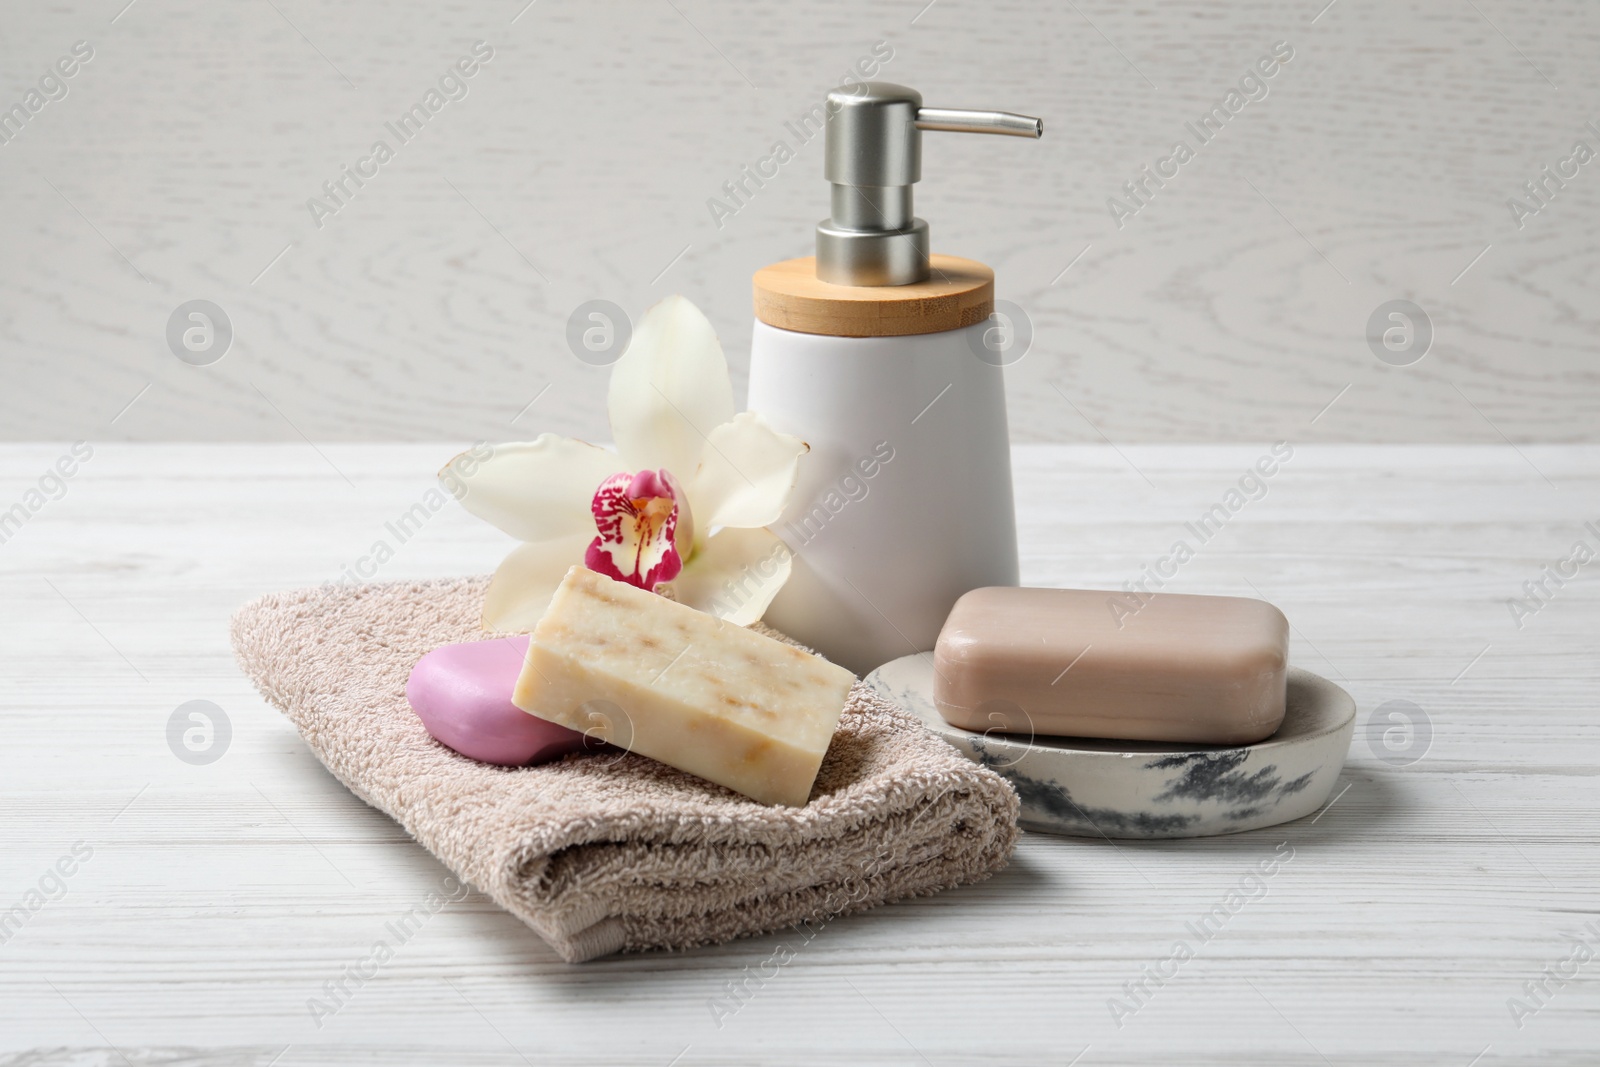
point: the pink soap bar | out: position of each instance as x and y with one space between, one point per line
462 694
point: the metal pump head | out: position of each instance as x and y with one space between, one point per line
874 155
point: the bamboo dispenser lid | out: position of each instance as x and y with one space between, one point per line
790 296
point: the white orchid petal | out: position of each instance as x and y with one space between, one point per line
746 474
734 575
535 490
521 589
669 390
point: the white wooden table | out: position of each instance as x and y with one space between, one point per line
218 899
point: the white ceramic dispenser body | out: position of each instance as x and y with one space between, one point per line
904 502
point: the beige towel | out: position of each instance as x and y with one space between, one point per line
608 852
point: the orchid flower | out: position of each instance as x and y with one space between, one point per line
680 507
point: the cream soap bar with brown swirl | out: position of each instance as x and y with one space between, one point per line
678 685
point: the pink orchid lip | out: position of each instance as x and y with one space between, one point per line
637 517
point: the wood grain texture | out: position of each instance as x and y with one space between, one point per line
789 295
220 899
434 304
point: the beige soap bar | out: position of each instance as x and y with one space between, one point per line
675 684
1079 663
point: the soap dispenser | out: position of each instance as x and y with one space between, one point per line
874 352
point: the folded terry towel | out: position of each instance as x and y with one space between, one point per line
607 851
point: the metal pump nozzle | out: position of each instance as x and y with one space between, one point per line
873 151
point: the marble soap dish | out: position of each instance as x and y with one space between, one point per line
1087 787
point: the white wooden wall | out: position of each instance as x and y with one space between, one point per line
433 305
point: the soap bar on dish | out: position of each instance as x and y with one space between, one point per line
1081 663
675 684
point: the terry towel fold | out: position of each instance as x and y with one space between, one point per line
607 851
